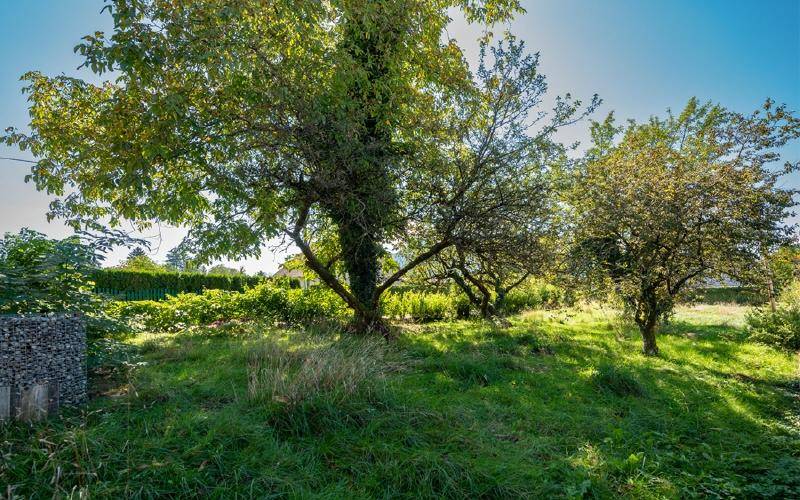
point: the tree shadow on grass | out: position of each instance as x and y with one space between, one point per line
545 425
682 328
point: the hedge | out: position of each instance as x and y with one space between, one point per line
121 282
263 302
727 294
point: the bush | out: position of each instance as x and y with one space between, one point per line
532 295
265 302
422 306
271 302
780 328
727 295
40 275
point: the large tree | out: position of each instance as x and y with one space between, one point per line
680 199
244 120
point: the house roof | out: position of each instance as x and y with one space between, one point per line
289 273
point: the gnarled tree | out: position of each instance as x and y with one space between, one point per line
680 199
244 120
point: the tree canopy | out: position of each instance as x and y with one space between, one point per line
679 199
348 121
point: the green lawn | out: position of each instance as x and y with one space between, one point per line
560 404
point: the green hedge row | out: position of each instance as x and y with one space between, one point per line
276 301
434 306
262 302
115 282
727 295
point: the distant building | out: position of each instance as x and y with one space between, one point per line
296 275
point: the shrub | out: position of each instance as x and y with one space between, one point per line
270 302
727 294
41 275
421 306
531 296
780 328
264 302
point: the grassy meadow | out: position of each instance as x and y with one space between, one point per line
561 404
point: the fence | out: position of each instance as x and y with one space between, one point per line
144 294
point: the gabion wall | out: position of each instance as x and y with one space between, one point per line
43 350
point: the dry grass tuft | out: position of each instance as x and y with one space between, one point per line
339 370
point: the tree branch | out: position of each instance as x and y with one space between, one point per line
424 256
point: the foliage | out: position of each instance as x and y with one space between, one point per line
779 328
136 253
179 259
421 306
716 420
118 280
271 301
490 256
108 357
679 199
141 263
221 269
784 266
358 121
265 302
42 275
727 294
533 294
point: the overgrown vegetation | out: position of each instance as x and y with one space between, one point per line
780 327
276 302
265 302
43 275
727 295
421 193
554 406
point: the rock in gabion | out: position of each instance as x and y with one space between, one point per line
44 350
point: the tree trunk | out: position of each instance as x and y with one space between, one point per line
500 298
770 286
370 323
360 254
486 309
649 347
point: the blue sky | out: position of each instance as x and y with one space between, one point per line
642 57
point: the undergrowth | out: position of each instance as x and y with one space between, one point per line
557 405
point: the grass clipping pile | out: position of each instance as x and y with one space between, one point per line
290 375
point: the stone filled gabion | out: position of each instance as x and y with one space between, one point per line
44 349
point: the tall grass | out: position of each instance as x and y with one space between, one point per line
336 371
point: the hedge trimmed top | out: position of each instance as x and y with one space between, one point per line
128 280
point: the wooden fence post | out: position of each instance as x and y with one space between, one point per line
34 403
5 403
